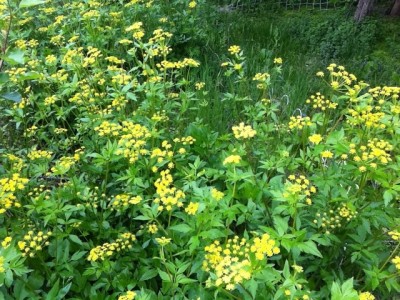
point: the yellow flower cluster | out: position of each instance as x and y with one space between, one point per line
299 186
395 235
132 138
339 77
33 242
38 154
217 195
326 154
8 188
366 296
152 228
122 201
367 115
6 242
231 262
262 79
15 73
160 116
91 57
243 132
129 295
382 94
168 195
163 241
108 129
278 60
192 4
232 159
38 192
299 122
64 164
160 154
192 208
315 139
370 155
234 49
199 85
16 162
115 60
108 249
318 101
186 140
334 218
396 262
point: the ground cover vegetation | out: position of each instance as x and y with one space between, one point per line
157 150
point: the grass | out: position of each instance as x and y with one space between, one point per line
369 50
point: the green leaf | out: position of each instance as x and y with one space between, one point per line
29 3
344 292
309 247
151 273
78 255
164 276
281 225
184 228
15 57
63 291
75 239
13 96
54 291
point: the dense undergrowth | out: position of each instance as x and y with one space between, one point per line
151 151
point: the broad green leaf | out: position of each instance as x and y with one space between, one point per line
29 3
151 273
184 228
309 247
15 57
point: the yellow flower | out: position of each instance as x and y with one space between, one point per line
217 195
234 49
278 60
6 242
396 262
192 208
243 132
163 241
298 269
315 138
232 159
366 296
326 154
129 295
199 85
192 4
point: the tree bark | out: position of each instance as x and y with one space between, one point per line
363 8
395 9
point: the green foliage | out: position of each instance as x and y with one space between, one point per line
114 183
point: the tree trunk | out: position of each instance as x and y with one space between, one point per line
363 8
395 9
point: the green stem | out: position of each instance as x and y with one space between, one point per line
390 256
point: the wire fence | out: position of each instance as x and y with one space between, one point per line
252 5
